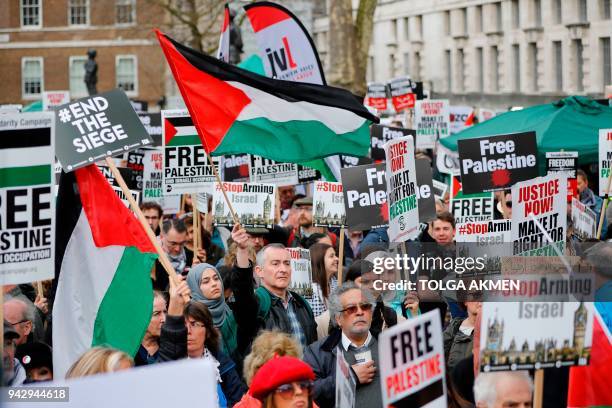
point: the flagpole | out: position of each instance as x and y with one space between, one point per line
340 255
163 258
604 205
229 204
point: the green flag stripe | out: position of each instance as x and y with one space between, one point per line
293 141
25 176
125 311
184 141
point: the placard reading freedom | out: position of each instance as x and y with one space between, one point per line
27 211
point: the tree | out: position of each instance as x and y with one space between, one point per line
350 38
194 22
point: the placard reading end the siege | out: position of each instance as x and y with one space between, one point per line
95 127
27 210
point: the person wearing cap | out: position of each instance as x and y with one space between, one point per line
283 382
13 372
304 220
351 308
37 360
271 305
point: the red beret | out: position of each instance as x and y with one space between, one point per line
279 371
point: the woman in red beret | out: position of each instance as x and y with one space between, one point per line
283 382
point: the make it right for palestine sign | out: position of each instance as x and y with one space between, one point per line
95 127
27 209
412 363
605 160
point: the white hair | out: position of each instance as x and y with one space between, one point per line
485 385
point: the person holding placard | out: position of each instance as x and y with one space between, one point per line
351 308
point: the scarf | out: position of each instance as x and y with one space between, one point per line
217 307
179 262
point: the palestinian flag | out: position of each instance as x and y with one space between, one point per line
224 37
589 385
103 263
236 111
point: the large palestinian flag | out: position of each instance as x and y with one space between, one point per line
236 111
103 262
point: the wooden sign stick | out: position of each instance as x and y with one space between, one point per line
163 258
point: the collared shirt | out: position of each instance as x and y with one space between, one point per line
296 327
346 342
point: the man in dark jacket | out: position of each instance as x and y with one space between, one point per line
351 308
166 337
272 305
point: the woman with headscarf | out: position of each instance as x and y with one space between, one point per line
206 286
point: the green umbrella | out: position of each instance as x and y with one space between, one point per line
571 124
33 107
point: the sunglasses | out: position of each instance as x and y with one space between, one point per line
287 391
366 307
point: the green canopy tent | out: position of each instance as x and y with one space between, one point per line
571 124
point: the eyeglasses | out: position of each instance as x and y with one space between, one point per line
15 324
175 244
195 324
287 391
366 307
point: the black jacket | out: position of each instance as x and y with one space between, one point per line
457 345
172 342
321 356
250 316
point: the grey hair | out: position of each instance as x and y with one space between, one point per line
261 255
485 385
335 305
29 309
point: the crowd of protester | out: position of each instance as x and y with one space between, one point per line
271 346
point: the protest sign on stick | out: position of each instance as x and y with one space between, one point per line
401 189
412 363
252 204
95 127
542 199
469 207
380 135
605 161
565 163
425 190
431 121
264 170
328 204
27 209
584 220
301 272
54 98
493 163
365 197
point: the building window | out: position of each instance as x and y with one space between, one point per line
417 66
406 29
498 16
449 71
464 17
407 63
419 24
125 11
582 11
494 69
558 64
480 68
393 31
30 13
516 14
605 9
78 12
77 76
391 65
127 74
537 11
533 62
460 65
447 22
579 61
516 56
478 18
607 60
32 80
557 11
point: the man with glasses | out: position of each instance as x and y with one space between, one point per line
21 317
13 372
351 309
173 238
